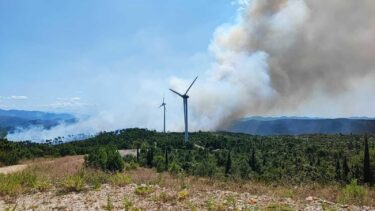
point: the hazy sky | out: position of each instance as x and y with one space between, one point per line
114 60
85 55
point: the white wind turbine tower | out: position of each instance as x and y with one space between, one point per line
163 105
185 99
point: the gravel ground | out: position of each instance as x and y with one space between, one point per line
162 199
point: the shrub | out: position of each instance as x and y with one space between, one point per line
182 195
105 158
94 177
143 190
42 184
131 165
115 161
128 204
17 183
353 193
165 197
74 183
174 168
120 179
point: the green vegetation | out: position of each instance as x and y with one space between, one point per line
323 159
21 182
143 190
105 158
354 194
75 183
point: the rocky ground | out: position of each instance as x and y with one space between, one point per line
157 198
164 192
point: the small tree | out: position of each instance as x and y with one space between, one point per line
345 170
150 157
253 162
105 158
338 171
166 159
228 165
367 177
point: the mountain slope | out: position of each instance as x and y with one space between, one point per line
298 126
13 119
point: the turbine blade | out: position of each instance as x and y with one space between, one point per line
176 92
191 85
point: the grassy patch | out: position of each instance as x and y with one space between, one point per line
277 207
74 183
143 190
120 179
128 204
21 182
182 195
354 194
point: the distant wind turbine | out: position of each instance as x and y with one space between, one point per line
163 105
185 99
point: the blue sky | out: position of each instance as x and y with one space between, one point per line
82 56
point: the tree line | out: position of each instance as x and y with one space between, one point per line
221 155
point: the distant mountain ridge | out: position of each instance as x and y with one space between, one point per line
11 120
302 125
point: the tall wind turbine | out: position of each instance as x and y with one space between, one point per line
185 102
163 105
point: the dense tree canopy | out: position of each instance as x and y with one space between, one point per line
307 158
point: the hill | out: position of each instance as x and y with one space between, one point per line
302 125
13 119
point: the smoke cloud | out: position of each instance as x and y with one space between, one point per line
278 57
281 56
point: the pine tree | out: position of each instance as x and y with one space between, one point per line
166 159
228 165
367 178
345 169
253 162
338 170
137 154
150 157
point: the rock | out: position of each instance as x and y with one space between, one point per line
252 201
310 198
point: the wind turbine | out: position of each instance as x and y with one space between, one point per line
163 105
185 102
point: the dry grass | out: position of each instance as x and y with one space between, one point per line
58 168
199 185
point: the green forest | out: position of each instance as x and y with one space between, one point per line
219 155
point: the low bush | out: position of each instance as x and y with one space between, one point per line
182 195
120 179
354 194
143 190
17 183
75 183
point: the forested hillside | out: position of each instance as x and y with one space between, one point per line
11 120
299 126
312 158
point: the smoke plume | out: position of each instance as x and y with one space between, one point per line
280 56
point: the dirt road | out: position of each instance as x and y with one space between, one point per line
12 169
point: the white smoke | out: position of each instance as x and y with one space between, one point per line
281 56
278 57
